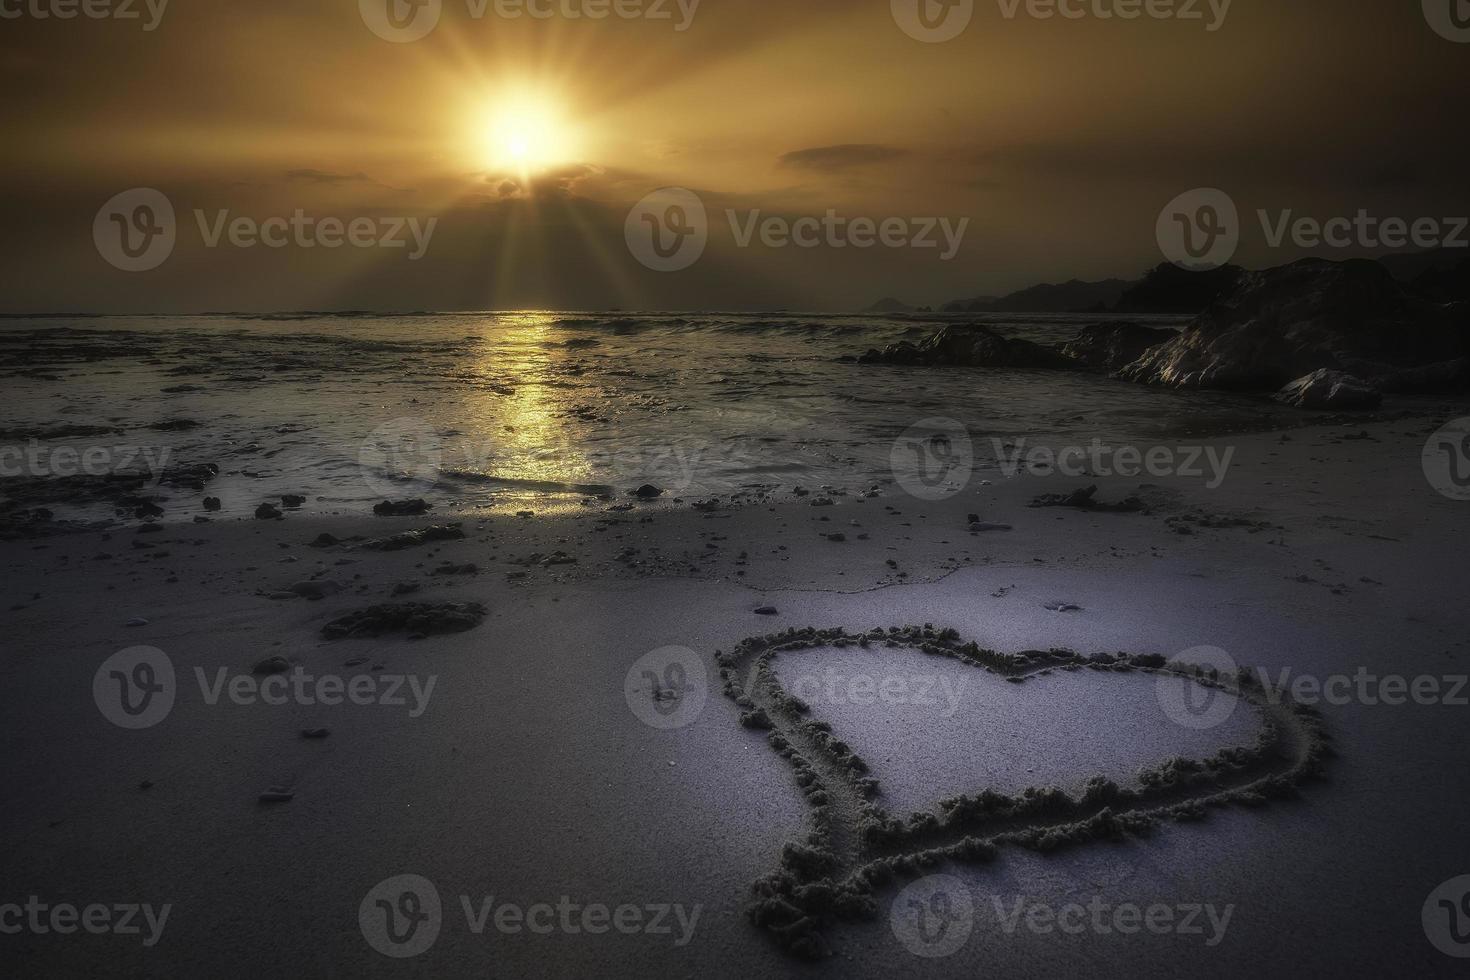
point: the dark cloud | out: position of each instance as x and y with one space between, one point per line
830 159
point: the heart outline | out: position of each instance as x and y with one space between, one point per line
854 846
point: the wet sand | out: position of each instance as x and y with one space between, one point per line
532 771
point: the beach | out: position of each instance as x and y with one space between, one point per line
525 762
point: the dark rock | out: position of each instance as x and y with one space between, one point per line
1167 288
765 611
316 588
212 503
401 508
1110 346
448 568
190 477
271 665
1281 324
315 732
1326 389
410 617
412 539
147 509
267 512
970 345
325 540
647 492
292 500
1440 378
1086 499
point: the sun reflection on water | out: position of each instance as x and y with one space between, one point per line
518 425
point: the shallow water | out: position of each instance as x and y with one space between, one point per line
347 409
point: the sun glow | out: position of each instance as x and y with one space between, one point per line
527 135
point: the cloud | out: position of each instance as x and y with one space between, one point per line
324 177
830 159
562 181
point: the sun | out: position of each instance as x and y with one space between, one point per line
526 135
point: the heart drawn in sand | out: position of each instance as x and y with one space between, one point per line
855 846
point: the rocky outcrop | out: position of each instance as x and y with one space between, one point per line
1281 324
1110 346
1169 289
970 345
1326 389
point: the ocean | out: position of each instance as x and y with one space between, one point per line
488 409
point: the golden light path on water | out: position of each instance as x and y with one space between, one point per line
525 433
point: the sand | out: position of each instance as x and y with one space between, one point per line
527 776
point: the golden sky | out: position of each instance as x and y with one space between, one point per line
529 139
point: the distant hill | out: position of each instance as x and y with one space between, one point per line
889 305
1075 296
1163 289
1442 275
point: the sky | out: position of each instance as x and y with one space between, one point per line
1021 149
